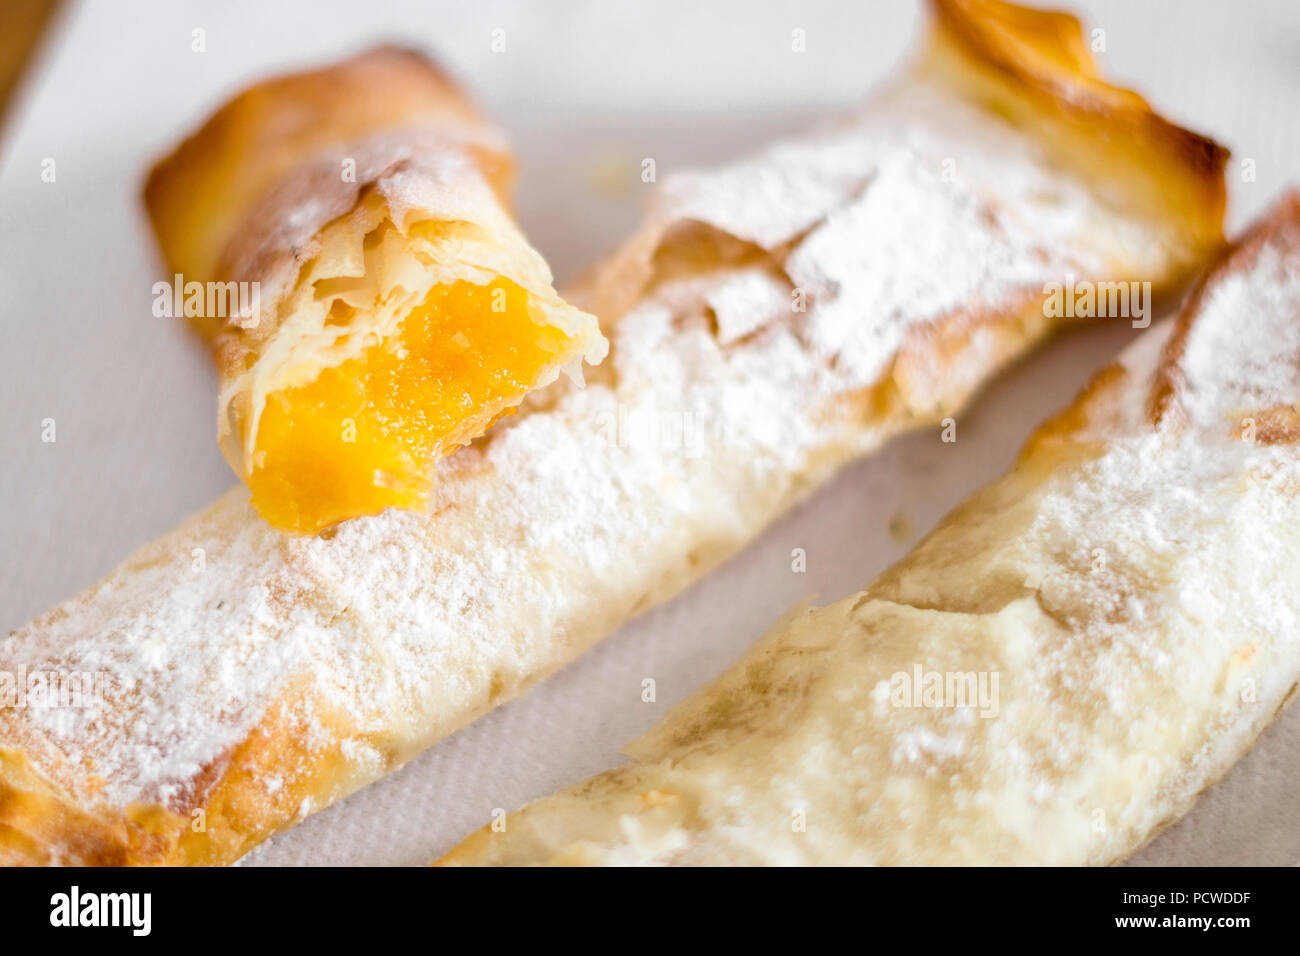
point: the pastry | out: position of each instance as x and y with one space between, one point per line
772 320
1053 674
341 240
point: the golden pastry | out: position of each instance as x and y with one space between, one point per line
390 308
1053 674
773 320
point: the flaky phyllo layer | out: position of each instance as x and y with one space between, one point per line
1050 677
400 310
403 339
773 319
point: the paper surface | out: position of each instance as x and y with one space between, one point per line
586 90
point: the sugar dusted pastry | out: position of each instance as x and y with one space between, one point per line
1122 610
390 307
773 320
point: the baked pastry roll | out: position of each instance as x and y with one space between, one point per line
389 309
1053 674
773 320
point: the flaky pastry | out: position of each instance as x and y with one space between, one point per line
389 309
1054 673
773 320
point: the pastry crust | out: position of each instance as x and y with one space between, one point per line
772 320
1035 66
1132 584
343 196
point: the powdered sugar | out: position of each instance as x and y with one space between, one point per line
549 533
1183 527
918 207
1133 585
1251 362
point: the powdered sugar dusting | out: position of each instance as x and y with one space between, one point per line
917 207
1253 361
1183 527
1134 585
550 532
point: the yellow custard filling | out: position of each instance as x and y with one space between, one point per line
364 435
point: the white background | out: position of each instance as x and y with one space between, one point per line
585 89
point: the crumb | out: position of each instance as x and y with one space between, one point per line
611 176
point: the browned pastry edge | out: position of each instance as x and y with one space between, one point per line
1040 58
203 191
1161 404
1281 221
